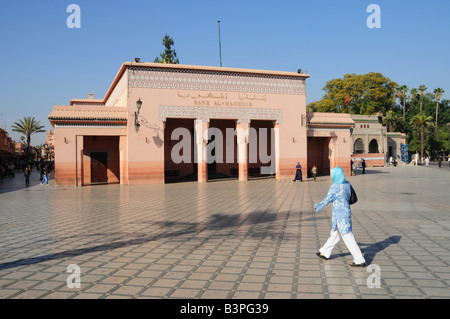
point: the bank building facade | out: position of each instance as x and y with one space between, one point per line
160 123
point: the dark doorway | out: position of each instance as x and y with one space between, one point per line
212 164
222 149
373 146
185 168
319 155
99 167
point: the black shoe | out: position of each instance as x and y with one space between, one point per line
321 256
353 264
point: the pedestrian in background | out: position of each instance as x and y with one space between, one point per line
27 174
45 176
298 173
314 171
41 168
339 194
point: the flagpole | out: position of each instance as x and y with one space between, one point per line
220 45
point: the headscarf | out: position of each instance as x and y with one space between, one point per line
338 175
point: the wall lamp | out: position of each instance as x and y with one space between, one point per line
136 114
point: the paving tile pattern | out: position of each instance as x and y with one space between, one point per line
225 239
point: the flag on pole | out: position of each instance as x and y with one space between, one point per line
346 102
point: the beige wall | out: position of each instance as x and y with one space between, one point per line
70 161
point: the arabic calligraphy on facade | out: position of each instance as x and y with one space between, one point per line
221 99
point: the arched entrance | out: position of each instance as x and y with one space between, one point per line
358 147
373 146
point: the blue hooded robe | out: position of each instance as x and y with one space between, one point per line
339 194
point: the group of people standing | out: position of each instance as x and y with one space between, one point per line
439 160
426 160
44 171
298 172
354 165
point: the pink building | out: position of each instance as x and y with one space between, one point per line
162 122
6 145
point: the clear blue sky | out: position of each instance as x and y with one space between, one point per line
44 63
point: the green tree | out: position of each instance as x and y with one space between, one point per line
169 55
413 93
422 89
390 119
420 121
438 93
28 126
367 94
401 92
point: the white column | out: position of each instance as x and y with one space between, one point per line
242 130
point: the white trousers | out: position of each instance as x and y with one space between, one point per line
349 241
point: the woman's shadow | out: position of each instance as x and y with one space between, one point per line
370 250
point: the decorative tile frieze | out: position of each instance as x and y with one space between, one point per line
205 113
148 77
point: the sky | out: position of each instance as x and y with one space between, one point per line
46 63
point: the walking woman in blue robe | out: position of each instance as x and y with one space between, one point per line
341 221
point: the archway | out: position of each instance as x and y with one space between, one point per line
358 147
373 146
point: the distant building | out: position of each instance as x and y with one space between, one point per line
372 141
6 146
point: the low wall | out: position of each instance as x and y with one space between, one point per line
372 159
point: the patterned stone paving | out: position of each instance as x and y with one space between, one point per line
225 239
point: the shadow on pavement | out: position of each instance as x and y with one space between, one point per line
370 250
261 224
11 184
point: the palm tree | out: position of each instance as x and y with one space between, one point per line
28 126
413 92
438 93
422 89
402 89
421 120
390 119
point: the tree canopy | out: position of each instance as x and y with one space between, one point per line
404 111
28 126
169 55
367 94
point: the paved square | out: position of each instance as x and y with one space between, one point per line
225 239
